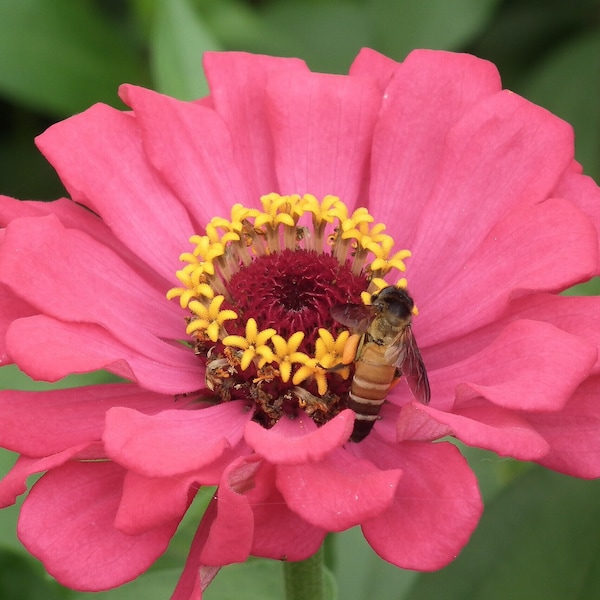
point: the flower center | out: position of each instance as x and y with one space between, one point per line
293 291
261 288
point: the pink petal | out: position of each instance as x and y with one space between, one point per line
148 503
435 509
279 533
369 63
14 483
338 492
573 433
583 191
504 155
173 442
67 522
196 577
272 528
298 441
47 350
211 474
70 417
237 89
75 216
483 426
512 260
428 94
89 152
322 127
232 531
79 279
579 316
530 366
200 166
11 308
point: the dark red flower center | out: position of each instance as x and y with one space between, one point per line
293 290
261 288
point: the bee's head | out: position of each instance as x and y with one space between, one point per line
394 302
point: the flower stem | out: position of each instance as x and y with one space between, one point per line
305 580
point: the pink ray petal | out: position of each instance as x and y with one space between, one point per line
48 350
232 529
322 127
84 280
436 507
583 191
279 533
483 426
200 168
237 83
369 63
173 442
428 94
299 440
196 577
70 417
530 366
504 155
337 492
148 503
14 483
89 152
75 216
11 308
75 507
512 260
573 433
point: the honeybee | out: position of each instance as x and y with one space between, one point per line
387 350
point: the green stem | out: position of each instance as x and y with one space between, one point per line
305 580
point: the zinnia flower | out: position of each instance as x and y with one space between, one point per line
286 193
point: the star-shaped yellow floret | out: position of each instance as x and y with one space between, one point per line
384 263
359 230
206 248
186 295
210 318
286 354
326 211
328 354
279 210
254 344
232 230
329 350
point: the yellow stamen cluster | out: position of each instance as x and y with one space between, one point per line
286 222
253 344
328 355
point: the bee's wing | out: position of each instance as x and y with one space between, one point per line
412 366
357 317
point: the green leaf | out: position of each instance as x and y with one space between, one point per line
156 585
10 514
537 539
256 579
404 25
179 39
61 56
13 378
326 35
22 578
361 574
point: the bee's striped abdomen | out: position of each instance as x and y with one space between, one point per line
370 387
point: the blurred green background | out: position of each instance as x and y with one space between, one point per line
540 535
